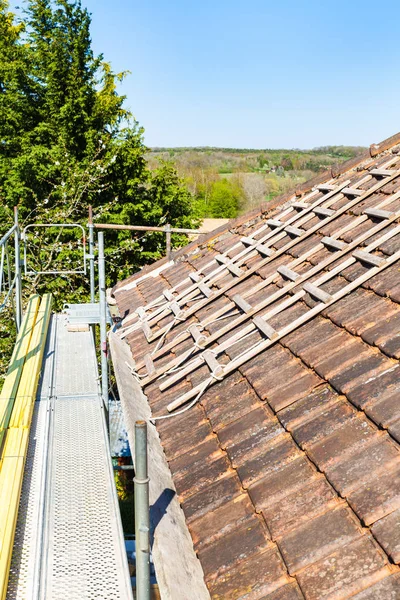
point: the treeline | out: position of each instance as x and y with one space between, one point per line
227 181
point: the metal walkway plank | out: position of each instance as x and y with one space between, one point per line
70 546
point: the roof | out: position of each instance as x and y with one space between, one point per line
284 444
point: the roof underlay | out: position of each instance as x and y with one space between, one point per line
279 337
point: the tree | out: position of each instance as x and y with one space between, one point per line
67 141
225 200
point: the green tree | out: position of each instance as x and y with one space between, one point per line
225 199
67 141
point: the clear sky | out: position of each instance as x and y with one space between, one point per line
255 73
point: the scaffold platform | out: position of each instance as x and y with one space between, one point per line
69 542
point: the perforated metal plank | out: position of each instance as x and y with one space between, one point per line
24 570
76 366
83 547
69 543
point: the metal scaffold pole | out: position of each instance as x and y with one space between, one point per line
103 321
91 255
18 282
142 513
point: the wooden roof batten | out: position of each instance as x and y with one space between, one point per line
273 236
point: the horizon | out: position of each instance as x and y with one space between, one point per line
276 76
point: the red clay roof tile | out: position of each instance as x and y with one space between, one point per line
282 435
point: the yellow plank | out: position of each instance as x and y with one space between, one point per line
23 406
16 440
14 372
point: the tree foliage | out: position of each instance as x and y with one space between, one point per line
67 141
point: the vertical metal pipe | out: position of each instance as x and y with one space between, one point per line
142 513
103 321
168 240
91 254
18 281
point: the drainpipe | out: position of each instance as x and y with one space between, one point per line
103 321
142 513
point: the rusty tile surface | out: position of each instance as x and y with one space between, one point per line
291 591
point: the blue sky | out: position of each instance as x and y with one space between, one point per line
255 74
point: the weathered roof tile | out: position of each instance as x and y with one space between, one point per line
317 538
387 532
281 435
378 497
345 572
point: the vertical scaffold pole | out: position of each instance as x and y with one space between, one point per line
103 321
18 282
168 240
142 513
91 254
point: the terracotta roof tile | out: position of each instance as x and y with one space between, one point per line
351 471
378 497
291 591
388 588
306 433
290 512
239 544
387 532
317 538
346 571
262 574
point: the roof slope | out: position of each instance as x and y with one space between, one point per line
286 454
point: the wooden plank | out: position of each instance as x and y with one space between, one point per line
205 290
274 222
168 294
321 211
254 351
382 172
248 241
195 276
296 231
216 369
300 205
265 328
199 338
316 292
226 261
350 191
377 213
288 273
148 361
241 303
264 250
141 312
332 243
368 258
326 187
146 330
176 309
